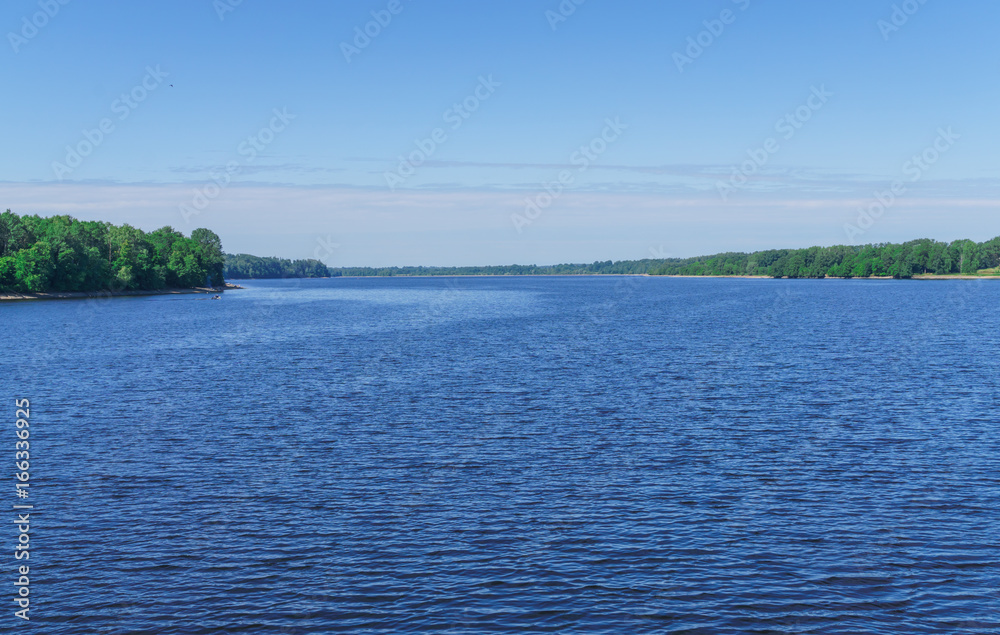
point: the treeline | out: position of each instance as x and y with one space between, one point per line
841 261
247 267
844 261
64 254
599 267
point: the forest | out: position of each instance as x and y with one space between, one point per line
602 267
903 260
61 253
247 267
923 256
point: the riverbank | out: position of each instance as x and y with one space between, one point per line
678 275
924 276
10 296
471 275
956 276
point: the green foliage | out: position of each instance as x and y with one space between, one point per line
843 261
63 254
839 261
33 268
243 266
246 267
211 248
599 267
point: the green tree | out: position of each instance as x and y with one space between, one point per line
211 254
33 268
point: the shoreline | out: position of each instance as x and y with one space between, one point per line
467 275
11 296
922 276
953 276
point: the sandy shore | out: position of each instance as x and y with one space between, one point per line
70 295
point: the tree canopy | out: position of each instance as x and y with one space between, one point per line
904 260
923 256
62 253
247 267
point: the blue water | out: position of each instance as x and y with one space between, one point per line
477 455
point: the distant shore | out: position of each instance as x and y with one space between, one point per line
922 276
953 276
472 275
678 275
8 296
11 296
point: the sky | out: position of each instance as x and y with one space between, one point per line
441 132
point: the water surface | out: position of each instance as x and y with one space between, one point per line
469 455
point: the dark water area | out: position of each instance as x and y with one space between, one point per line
500 455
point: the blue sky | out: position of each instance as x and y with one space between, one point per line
675 104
